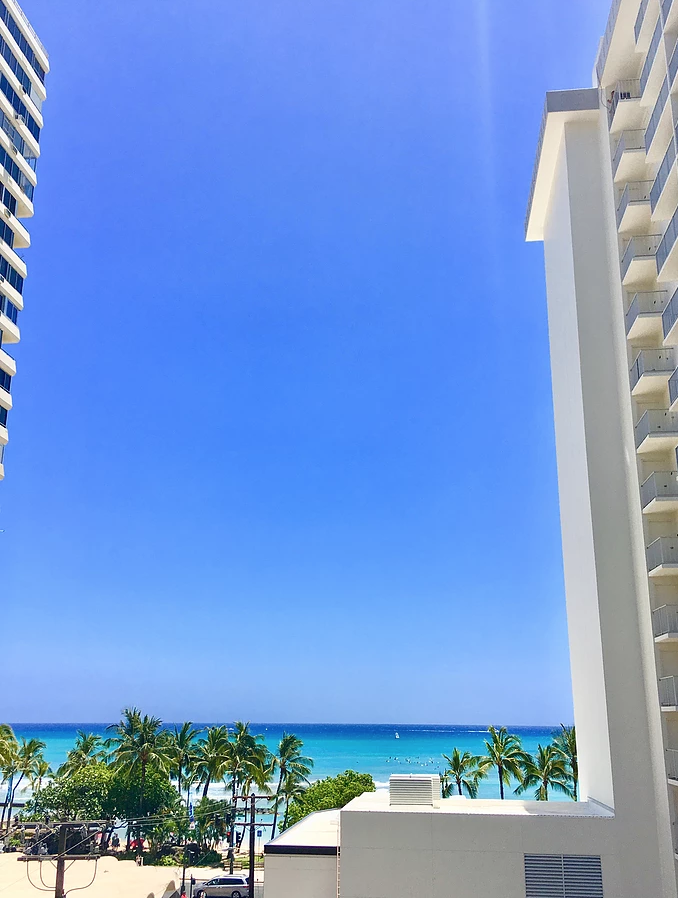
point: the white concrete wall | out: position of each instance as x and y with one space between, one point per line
612 651
300 876
398 855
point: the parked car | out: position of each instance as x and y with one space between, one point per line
234 886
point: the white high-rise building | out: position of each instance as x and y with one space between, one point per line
23 66
604 201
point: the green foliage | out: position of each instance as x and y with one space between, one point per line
546 770
565 743
331 792
85 794
505 752
159 795
463 773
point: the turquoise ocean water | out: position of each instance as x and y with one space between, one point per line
366 748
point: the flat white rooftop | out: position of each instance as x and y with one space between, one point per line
316 834
378 802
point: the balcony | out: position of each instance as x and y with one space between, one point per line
628 157
639 264
669 14
623 107
662 560
7 364
668 693
672 766
657 431
651 371
657 127
644 316
664 193
651 75
659 493
667 257
642 27
633 206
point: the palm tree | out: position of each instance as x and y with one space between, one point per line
466 770
212 757
289 791
546 770
505 752
88 749
8 748
42 769
565 743
182 749
292 766
247 764
139 742
24 764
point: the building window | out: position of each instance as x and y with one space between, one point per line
8 308
3 416
19 107
24 46
5 381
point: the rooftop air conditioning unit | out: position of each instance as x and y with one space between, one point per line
414 789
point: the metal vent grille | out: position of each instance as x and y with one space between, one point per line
414 789
563 876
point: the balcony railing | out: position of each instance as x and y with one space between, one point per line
652 361
672 763
659 485
663 172
651 303
653 124
670 314
656 421
634 192
667 242
668 692
673 388
639 248
665 620
662 551
651 54
623 90
629 140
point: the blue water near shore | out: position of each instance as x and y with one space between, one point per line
334 748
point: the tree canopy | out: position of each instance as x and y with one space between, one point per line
328 793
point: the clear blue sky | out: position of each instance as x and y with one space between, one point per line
284 370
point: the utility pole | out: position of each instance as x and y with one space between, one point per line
61 862
250 881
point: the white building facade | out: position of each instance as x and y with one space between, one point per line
23 66
604 202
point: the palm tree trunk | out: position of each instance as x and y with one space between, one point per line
6 802
275 813
141 806
231 847
11 802
207 785
287 808
459 787
500 770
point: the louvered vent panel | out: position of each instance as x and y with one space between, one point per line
583 876
414 789
544 876
563 876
